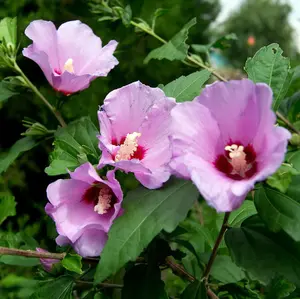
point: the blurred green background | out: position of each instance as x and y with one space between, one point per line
256 23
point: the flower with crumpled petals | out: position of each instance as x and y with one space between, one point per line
225 141
134 132
84 208
71 56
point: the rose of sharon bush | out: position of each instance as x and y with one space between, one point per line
83 208
71 56
134 132
225 141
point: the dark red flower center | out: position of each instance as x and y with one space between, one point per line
237 162
101 196
57 72
129 148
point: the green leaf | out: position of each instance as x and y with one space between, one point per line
246 210
222 43
279 288
126 15
224 269
72 262
293 158
264 254
22 145
7 207
157 14
176 48
6 91
147 212
21 241
269 66
59 288
282 178
278 211
8 32
75 144
143 281
186 88
195 290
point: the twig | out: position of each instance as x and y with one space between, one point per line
103 284
178 269
31 253
211 294
216 246
37 254
287 122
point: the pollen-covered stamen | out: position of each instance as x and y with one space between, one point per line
237 159
68 66
104 200
128 148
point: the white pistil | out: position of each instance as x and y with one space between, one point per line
104 201
237 159
68 66
128 148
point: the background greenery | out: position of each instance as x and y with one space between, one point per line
266 20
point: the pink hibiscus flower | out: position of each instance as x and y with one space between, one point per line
226 140
84 208
134 132
71 56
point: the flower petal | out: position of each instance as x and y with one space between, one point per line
194 131
88 57
91 242
86 173
43 35
103 62
69 83
213 185
235 107
62 191
127 107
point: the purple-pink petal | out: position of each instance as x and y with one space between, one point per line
226 141
73 207
137 108
73 43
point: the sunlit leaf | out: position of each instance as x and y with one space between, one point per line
186 88
176 48
269 66
147 212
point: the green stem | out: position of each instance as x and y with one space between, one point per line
189 57
216 247
151 32
55 112
216 74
